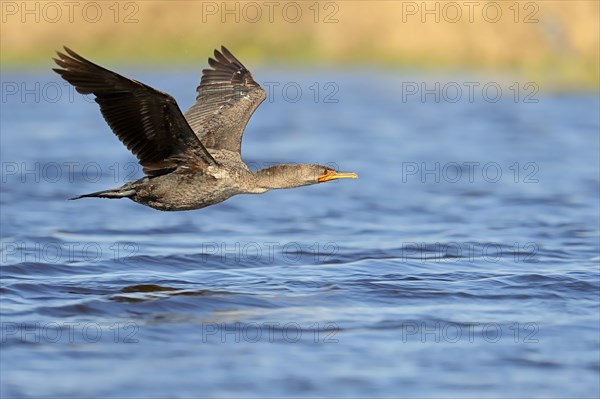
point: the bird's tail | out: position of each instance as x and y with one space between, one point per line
113 193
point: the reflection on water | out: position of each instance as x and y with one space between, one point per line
463 262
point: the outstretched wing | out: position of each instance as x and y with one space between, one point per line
227 98
147 121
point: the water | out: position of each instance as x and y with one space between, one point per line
462 263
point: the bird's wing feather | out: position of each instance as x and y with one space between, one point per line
226 99
147 121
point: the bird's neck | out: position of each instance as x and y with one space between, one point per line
278 177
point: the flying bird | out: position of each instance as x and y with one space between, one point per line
190 160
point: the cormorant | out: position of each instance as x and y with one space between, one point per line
190 160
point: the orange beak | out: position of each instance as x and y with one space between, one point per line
333 175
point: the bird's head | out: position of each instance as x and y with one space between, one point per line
306 174
296 175
325 173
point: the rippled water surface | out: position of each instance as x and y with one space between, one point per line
462 263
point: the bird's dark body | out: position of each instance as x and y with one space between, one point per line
191 160
183 190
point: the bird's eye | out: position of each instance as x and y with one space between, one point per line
325 171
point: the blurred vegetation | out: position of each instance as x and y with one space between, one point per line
555 42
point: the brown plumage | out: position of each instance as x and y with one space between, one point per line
192 160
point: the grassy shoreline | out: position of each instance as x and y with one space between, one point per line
553 42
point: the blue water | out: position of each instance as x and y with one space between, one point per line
463 263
